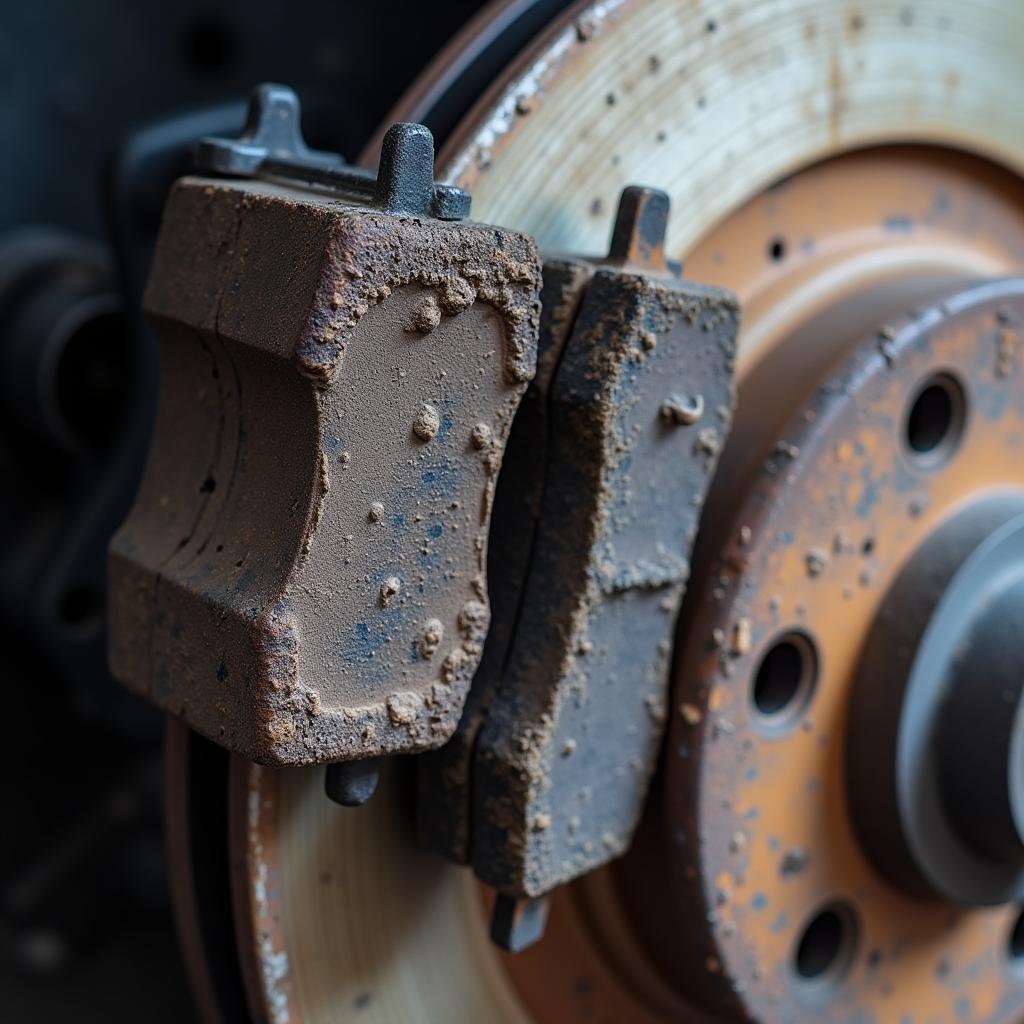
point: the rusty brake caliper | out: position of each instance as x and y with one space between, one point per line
302 577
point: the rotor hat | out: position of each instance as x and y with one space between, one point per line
936 776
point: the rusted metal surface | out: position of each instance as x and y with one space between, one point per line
302 576
272 146
588 963
774 893
633 401
638 238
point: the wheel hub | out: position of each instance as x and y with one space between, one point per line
936 734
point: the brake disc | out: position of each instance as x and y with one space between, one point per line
337 914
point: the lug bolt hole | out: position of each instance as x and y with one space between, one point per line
935 421
827 946
785 681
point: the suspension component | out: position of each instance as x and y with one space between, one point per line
302 575
607 471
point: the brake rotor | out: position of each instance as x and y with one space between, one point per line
337 914
855 274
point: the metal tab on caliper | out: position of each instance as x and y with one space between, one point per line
302 576
566 716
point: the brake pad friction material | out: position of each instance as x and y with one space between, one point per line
302 575
639 408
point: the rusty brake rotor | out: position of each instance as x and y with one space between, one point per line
328 880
